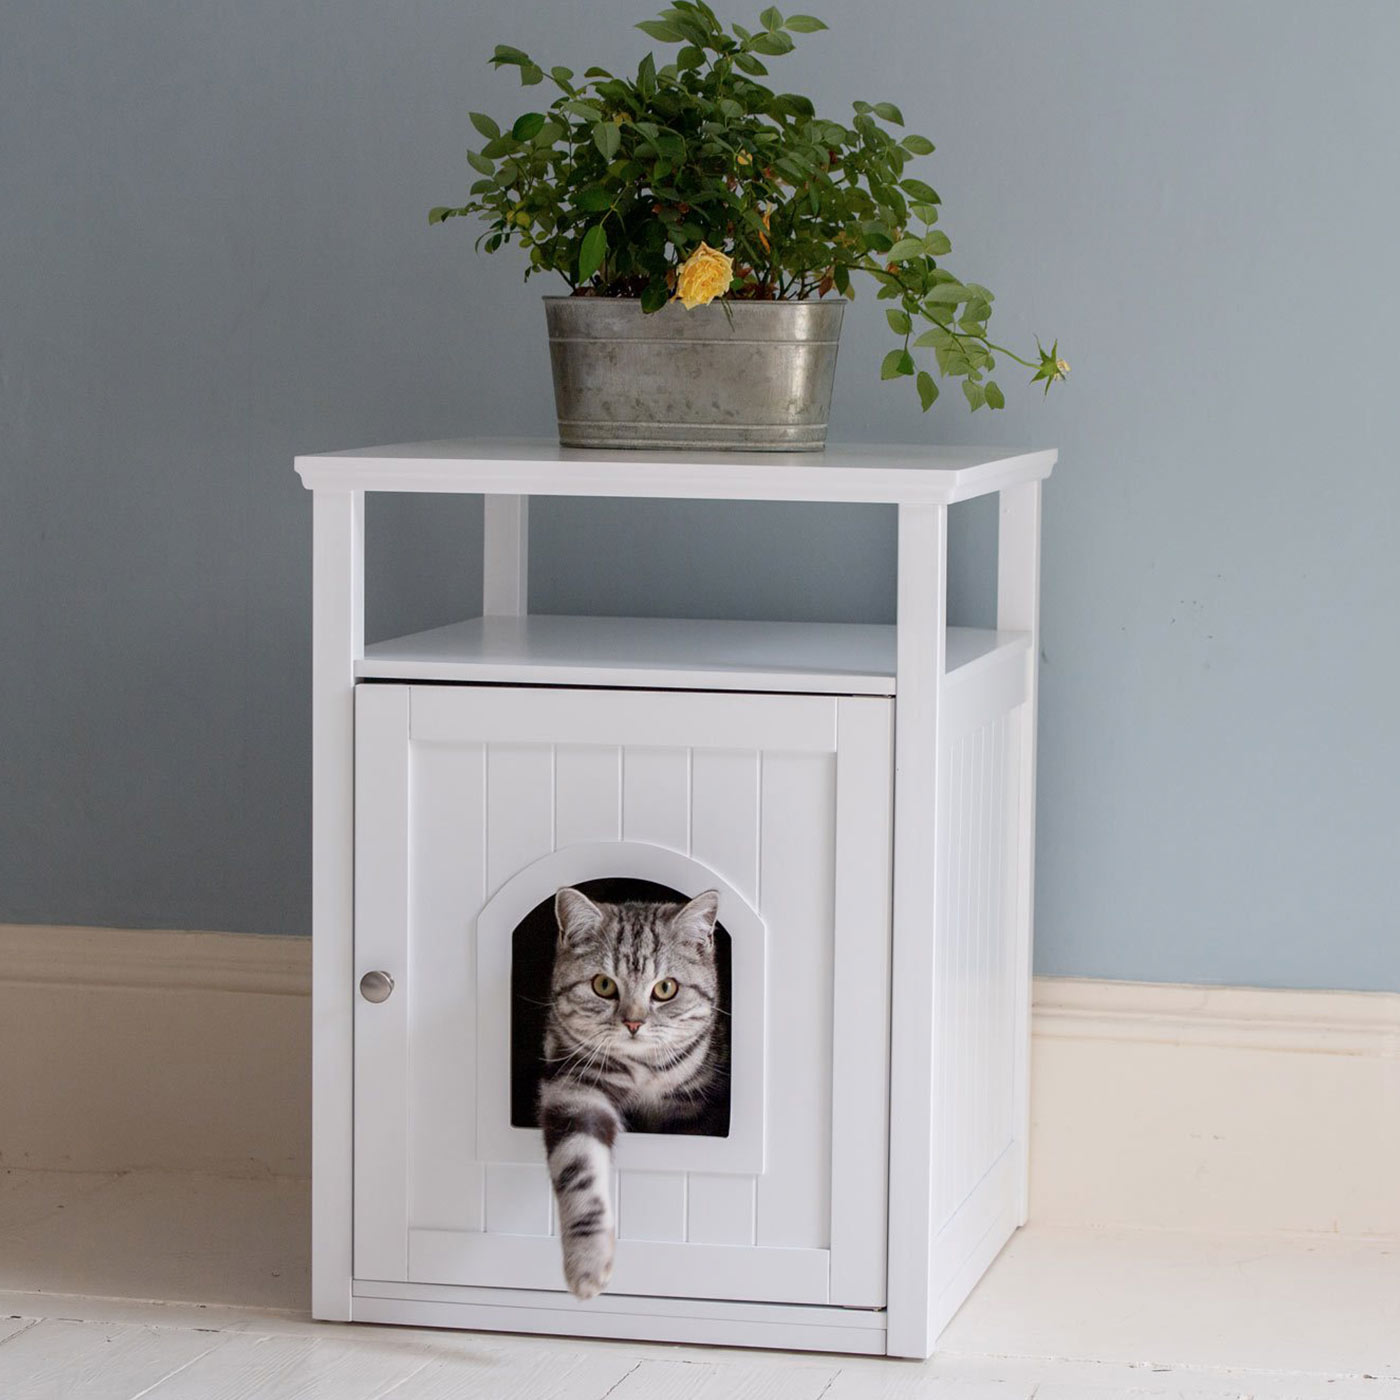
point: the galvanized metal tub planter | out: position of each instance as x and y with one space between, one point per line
748 376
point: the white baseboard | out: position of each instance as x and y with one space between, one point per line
1215 1108
125 1049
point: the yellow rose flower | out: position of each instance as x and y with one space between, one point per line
704 275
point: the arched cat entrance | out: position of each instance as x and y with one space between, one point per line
510 1017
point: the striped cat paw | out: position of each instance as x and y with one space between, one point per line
588 1264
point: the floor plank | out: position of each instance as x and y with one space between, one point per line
293 1368
59 1360
514 1373
701 1380
10 1326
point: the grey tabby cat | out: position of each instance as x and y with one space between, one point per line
633 1039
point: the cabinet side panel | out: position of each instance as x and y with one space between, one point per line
449 883
976 1188
796 900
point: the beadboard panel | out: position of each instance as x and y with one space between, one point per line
1161 1105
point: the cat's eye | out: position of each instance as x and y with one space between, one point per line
665 989
604 985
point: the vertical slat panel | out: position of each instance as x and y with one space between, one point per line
382 835
656 809
796 901
517 1199
520 808
720 1209
651 1206
448 883
587 794
519 830
656 797
724 835
724 816
860 1002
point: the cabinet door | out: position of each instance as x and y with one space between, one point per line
466 794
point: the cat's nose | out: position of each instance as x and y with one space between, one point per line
633 1026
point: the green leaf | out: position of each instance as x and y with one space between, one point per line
976 395
593 200
563 76
995 398
646 76
592 252
479 163
659 29
771 18
527 127
484 125
928 390
530 75
501 146
436 216
887 111
773 44
607 138
906 248
654 296
937 337
505 54
804 24
918 145
899 321
916 189
747 63
937 243
947 294
894 364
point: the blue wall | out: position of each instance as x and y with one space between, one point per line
215 254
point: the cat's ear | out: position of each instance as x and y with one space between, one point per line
577 915
697 919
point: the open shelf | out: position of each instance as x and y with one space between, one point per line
834 658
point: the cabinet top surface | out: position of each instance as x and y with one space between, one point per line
892 473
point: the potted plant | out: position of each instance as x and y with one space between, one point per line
710 230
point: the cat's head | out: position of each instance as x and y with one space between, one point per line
635 979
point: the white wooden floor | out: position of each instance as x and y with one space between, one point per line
1063 1316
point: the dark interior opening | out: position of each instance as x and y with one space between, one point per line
531 968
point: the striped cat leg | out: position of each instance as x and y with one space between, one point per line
580 1124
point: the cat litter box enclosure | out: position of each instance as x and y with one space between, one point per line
861 797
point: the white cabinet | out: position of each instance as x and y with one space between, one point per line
862 799
473 804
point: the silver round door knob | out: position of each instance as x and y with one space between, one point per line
376 986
